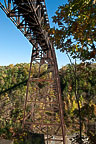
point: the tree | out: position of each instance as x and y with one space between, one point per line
79 94
76 35
76 31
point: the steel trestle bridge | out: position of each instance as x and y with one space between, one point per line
43 108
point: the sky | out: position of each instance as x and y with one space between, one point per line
15 48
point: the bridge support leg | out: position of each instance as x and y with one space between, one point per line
43 105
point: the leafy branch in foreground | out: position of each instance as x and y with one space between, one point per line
76 32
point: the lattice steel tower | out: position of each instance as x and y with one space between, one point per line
43 110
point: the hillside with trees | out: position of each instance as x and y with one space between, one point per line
78 86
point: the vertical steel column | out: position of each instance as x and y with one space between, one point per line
9 5
27 89
59 95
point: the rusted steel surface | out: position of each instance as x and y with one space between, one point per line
43 112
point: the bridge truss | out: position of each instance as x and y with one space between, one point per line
43 108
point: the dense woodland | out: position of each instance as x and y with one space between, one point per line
78 85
